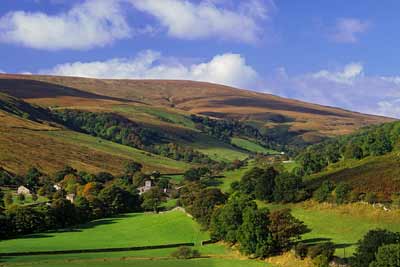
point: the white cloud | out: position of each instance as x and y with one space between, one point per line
349 73
89 24
206 19
347 29
228 69
348 88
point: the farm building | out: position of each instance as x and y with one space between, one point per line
22 190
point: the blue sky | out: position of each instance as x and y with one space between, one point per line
339 53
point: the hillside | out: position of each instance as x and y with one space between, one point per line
284 116
29 137
367 160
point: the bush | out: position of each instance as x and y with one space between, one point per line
387 256
368 246
184 253
321 261
326 250
301 250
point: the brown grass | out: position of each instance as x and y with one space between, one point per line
194 97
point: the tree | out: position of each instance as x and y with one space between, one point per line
132 167
8 199
1 198
285 229
32 178
152 199
64 212
24 219
204 203
253 234
265 184
342 192
324 191
117 200
286 187
34 197
387 256
103 177
353 151
226 220
21 198
368 246
195 174
259 182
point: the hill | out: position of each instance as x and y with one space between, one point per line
31 136
285 118
367 160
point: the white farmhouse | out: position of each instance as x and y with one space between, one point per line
147 186
22 190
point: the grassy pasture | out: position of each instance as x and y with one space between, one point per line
124 231
344 225
251 146
155 114
127 230
232 176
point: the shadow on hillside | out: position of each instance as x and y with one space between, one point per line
37 89
311 241
314 241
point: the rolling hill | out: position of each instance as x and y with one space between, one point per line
310 121
163 107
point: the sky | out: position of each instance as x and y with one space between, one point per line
337 53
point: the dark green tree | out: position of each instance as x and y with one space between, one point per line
387 256
342 193
287 186
153 198
253 234
369 245
324 191
285 229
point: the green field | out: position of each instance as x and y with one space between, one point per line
344 225
124 231
217 150
129 260
148 159
232 176
161 114
251 146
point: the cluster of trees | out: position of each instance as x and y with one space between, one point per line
370 141
270 185
378 248
236 219
225 129
320 253
258 232
179 152
121 130
77 197
110 126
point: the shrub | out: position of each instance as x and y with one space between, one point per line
326 250
321 261
387 256
368 246
185 253
301 250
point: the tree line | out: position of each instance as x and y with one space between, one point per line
94 196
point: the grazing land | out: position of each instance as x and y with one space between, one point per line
344 225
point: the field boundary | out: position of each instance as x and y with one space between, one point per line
98 250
